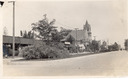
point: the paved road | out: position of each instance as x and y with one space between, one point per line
104 64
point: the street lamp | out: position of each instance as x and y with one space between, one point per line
13 27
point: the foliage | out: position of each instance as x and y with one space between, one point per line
64 32
113 47
26 34
94 46
126 44
44 28
56 37
116 46
46 51
104 47
73 49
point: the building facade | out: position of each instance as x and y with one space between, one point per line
83 36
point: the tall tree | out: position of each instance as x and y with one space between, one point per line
94 46
5 31
44 28
21 33
126 44
104 46
115 46
26 34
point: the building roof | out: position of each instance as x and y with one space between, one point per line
77 35
19 40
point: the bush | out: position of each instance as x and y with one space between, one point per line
33 52
73 49
113 47
94 46
103 48
28 52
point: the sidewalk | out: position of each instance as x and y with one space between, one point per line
16 60
20 60
80 53
9 60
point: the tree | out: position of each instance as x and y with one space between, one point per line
126 44
56 36
44 28
5 31
26 34
21 33
104 46
94 46
64 32
113 47
116 46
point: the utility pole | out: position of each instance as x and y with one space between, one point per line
33 33
76 40
108 41
13 27
94 37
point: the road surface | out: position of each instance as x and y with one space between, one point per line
104 64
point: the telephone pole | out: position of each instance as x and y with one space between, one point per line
13 27
76 40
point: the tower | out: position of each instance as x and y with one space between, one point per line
87 31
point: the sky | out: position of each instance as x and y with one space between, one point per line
108 18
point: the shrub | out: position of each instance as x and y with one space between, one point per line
103 48
94 46
28 52
45 51
73 49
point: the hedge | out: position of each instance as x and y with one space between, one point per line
45 51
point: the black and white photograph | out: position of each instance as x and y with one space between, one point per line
86 38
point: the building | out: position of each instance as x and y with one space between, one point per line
83 36
19 42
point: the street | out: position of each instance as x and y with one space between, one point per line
104 64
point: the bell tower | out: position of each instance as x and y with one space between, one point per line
87 31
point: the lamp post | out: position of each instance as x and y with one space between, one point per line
13 27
